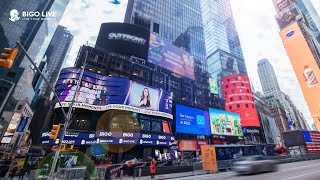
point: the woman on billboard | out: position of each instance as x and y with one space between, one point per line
145 101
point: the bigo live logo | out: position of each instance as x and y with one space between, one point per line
14 15
32 15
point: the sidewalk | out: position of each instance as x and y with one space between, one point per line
168 176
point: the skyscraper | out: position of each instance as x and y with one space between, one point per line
270 87
224 53
297 21
268 79
178 22
56 55
34 34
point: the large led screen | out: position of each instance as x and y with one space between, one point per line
192 121
270 129
99 91
170 57
225 123
124 38
304 64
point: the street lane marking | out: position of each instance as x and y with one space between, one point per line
301 175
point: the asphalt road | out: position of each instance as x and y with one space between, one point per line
307 170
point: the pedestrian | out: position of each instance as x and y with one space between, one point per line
153 168
13 172
22 173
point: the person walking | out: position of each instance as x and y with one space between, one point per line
153 168
22 173
13 172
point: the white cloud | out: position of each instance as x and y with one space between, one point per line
83 20
259 36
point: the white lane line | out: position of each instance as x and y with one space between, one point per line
301 175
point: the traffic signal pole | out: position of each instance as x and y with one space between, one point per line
67 117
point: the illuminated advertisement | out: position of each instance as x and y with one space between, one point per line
213 85
282 4
288 16
170 57
192 121
102 93
270 129
305 66
124 38
239 99
2 126
225 123
15 120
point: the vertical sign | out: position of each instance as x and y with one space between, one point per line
209 159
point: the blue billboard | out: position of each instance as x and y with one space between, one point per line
192 121
98 90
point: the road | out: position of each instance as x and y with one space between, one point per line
306 170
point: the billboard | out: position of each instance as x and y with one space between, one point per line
170 57
22 124
15 120
99 91
213 83
305 65
192 121
124 38
270 129
225 123
288 16
239 99
281 4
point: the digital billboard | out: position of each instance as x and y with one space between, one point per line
270 129
124 38
288 16
170 57
281 4
304 64
213 85
192 121
100 91
225 123
239 99
15 120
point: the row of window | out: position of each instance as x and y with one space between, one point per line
240 98
232 91
239 106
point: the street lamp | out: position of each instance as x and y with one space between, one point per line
67 117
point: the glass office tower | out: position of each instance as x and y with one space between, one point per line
178 22
35 36
224 53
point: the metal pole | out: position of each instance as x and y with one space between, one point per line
66 124
47 82
7 96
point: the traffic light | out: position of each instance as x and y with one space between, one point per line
55 131
8 57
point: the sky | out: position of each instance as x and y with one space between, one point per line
258 33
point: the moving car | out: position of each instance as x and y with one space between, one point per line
255 164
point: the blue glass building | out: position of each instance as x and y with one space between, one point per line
224 53
178 22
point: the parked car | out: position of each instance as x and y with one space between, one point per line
255 164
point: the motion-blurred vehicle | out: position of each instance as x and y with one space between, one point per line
255 164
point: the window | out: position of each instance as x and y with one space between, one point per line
19 107
240 98
240 90
145 125
231 99
248 91
225 93
228 80
156 126
230 107
238 105
247 106
234 84
232 91
156 27
242 84
247 97
252 106
236 78
227 86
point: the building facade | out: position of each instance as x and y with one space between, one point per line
270 87
34 35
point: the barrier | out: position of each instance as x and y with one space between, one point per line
77 173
